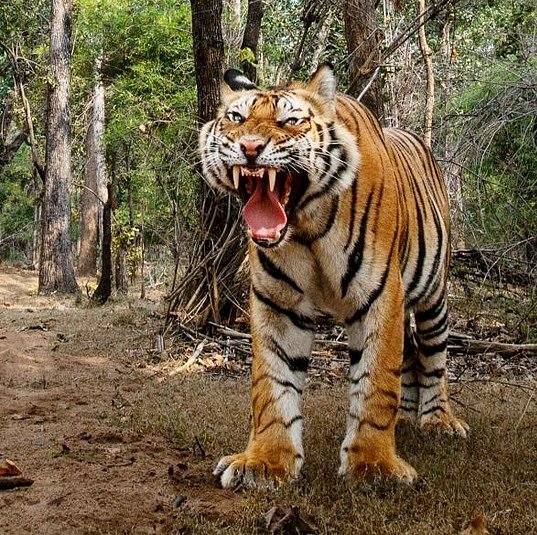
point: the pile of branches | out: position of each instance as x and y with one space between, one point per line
213 285
496 265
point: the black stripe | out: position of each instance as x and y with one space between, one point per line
286 384
308 240
433 409
418 270
429 351
352 215
386 393
275 272
356 380
432 400
376 292
277 421
374 425
294 364
439 326
355 356
292 421
438 373
356 256
430 313
300 321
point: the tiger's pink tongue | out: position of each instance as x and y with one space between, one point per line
264 213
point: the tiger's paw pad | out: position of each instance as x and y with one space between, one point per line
441 422
248 471
393 468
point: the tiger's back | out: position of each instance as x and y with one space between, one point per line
346 220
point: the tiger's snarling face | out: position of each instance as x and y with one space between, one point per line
280 150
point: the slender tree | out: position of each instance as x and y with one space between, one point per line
427 55
250 38
93 195
56 272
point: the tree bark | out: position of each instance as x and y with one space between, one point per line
250 38
56 272
363 35
427 55
208 45
104 289
93 194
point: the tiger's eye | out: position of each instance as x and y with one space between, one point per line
235 117
293 121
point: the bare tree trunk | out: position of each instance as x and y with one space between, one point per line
453 174
56 272
11 138
250 38
37 234
208 55
363 36
104 289
122 276
91 196
427 55
313 13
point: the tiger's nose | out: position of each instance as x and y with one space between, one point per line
252 148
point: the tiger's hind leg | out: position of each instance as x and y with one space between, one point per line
375 346
432 330
409 402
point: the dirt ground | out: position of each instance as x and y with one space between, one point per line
66 374
86 412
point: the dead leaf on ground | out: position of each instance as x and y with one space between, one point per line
477 526
9 468
288 520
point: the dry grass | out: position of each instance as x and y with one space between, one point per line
493 473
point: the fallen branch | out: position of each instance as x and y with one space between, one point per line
473 346
7 483
459 343
195 355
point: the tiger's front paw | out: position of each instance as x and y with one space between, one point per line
363 467
251 470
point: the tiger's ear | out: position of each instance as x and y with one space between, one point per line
323 83
235 80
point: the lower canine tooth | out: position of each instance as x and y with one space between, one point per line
236 176
272 178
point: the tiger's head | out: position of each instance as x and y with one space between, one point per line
280 149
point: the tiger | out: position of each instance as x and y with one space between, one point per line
345 220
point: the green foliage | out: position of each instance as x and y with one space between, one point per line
148 71
127 238
247 55
16 214
499 122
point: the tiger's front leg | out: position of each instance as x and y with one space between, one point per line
376 353
281 341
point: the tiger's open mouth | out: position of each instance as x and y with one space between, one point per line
269 194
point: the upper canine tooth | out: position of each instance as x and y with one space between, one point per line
272 178
236 176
